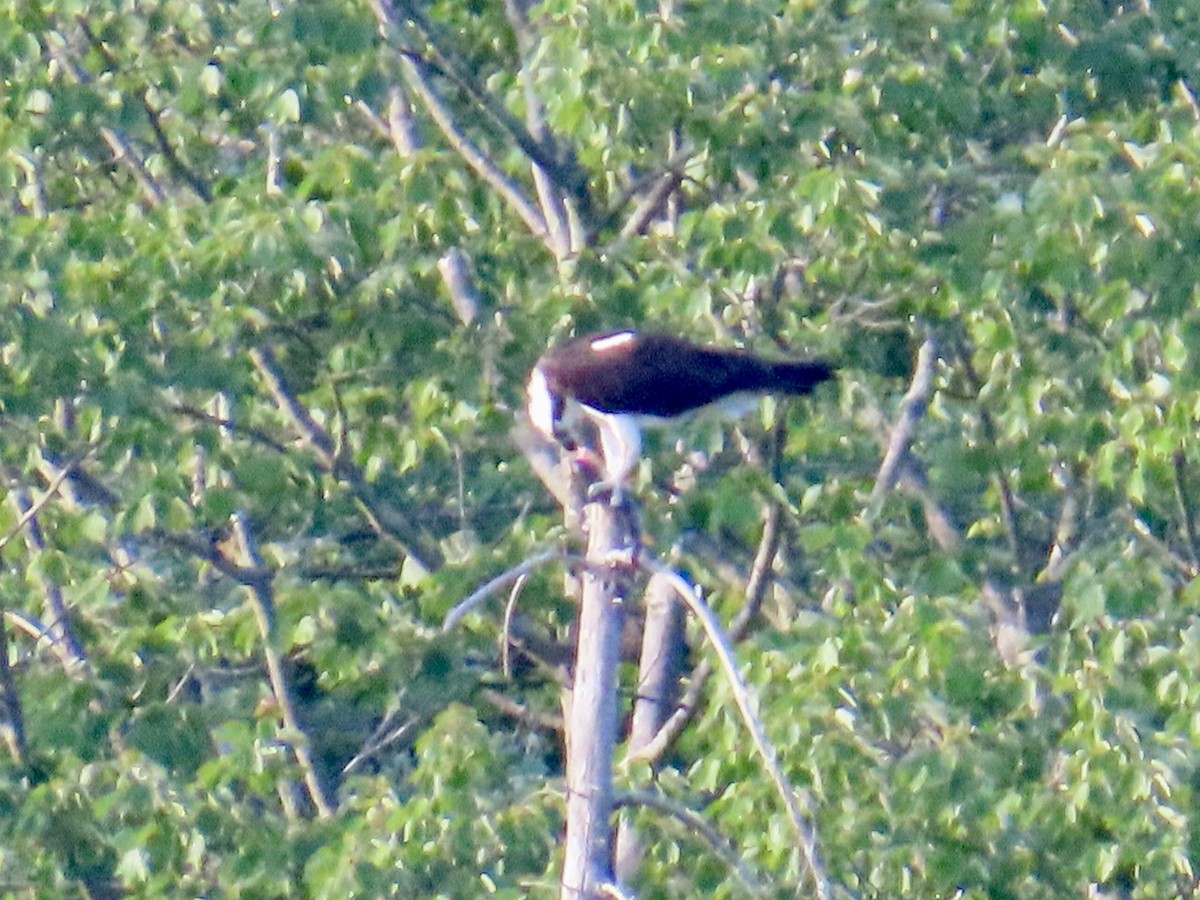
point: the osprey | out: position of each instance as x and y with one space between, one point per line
622 381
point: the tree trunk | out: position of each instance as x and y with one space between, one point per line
591 708
659 668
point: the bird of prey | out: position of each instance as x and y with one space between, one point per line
623 381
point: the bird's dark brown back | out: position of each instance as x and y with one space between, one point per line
663 375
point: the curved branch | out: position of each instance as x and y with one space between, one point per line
689 703
801 819
697 825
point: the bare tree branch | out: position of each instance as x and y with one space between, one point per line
510 609
659 667
417 74
31 509
123 152
256 434
497 584
1008 508
404 18
912 408
530 718
755 593
801 819
58 632
387 520
455 269
385 735
13 726
591 710
664 186
260 580
154 116
401 125
551 200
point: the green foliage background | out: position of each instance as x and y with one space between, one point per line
204 205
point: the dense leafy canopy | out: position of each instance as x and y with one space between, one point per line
255 437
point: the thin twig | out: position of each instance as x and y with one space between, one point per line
1143 531
383 517
760 573
1008 506
177 690
63 642
530 718
697 825
38 505
256 434
802 820
497 584
386 734
194 181
506 631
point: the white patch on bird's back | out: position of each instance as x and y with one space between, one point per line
612 341
540 403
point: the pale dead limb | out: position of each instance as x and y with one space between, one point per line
592 705
497 584
755 593
801 819
912 408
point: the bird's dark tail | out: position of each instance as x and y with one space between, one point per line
797 377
